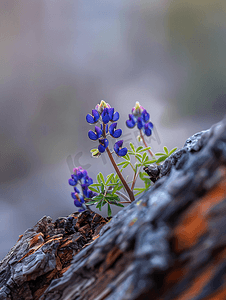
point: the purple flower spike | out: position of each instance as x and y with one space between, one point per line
105 115
103 145
116 133
131 122
93 118
119 150
95 135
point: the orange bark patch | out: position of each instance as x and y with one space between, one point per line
37 239
175 275
194 223
197 285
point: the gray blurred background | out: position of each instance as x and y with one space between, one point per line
60 58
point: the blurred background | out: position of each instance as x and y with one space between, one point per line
60 58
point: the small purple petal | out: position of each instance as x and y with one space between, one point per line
77 203
72 182
98 131
112 128
117 133
101 148
140 123
111 112
90 119
95 115
122 152
92 135
145 116
131 122
104 142
73 195
76 190
115 117
119 143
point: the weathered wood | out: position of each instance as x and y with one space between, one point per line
169 244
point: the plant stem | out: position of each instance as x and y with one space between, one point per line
123 196
135 178
145 144
130 193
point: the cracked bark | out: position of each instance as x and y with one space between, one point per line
169 244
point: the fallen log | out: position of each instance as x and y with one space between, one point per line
168 244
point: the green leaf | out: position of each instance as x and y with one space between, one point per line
98 198
148 162
119 204
138 193
173 150
102 188
91 202
102 177
139 189
144 156
93 150
131 153
162 158
93 189
95 184
125 165
132 147
145 149
114 189
98 178
166 150
109 177
122 163
139 158
139 148
99 205
109 210
126 157
159 154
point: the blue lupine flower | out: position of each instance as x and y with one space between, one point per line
116 133
118 148
103 145
81 176
140 117
107 114
95 135
92 119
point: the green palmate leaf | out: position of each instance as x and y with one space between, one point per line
145 149
166 150
139 149
109 210
159 154
139 155
112 197
162 158
93 189
132 147
173 150
109 177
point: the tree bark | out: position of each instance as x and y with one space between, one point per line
168 244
